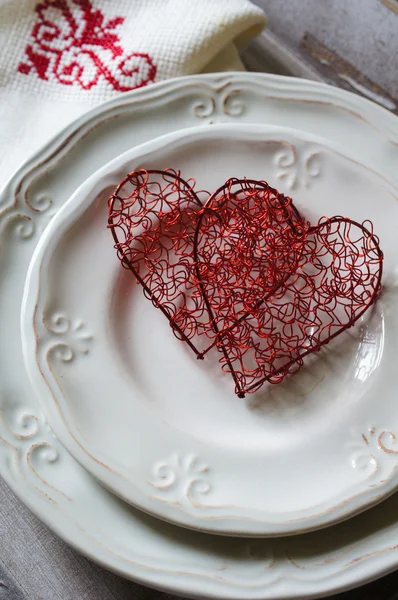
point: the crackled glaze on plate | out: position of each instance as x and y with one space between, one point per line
166 432
38 468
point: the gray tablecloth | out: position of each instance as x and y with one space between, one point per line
322 39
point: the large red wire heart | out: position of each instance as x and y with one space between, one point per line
153 216
243 272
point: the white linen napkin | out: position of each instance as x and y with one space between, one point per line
59 57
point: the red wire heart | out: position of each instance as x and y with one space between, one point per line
153 217
244 272
336 279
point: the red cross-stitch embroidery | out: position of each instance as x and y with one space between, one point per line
72 43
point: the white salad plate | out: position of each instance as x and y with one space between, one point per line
40 470
165 431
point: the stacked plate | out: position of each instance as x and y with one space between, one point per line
129 448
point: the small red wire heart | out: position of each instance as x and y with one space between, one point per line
335 280
243 272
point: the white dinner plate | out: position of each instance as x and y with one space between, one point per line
43 473
165 431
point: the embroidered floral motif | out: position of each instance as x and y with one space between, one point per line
73 43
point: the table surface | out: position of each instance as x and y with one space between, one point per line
351 44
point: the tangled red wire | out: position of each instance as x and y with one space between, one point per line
244 272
